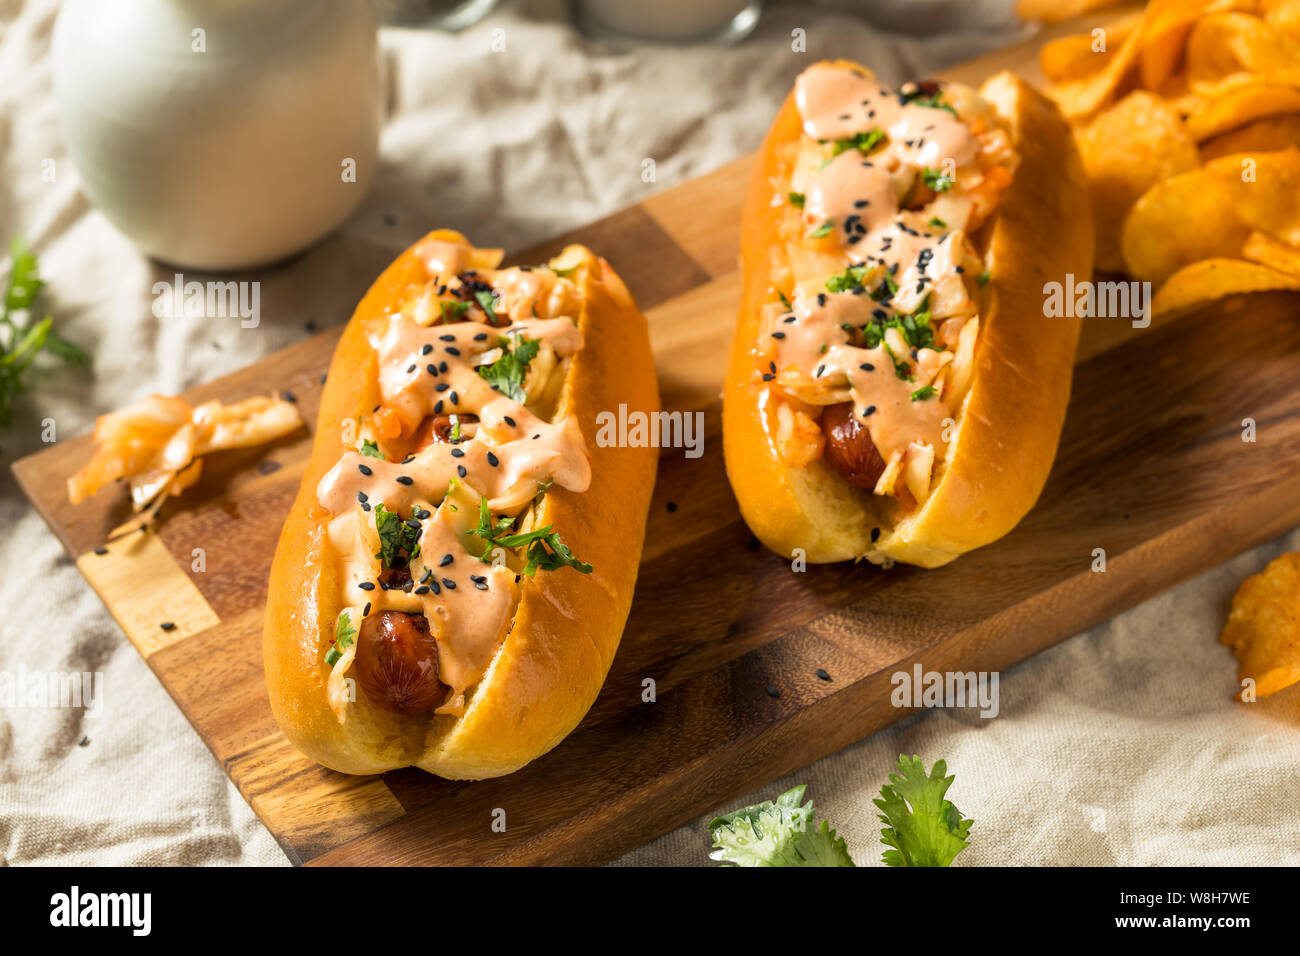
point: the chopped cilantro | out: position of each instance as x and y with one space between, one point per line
507 373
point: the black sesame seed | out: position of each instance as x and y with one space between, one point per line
426 349
768 376
875 535
773 690
867 367
365 610
449 584
405 480
430 369
365 470
101 550
442 366
446 560
868 411
478 577
437 407
422 589
455 399
442 387
452 351
446 338
411 368
821 672
367 585
509 421
458 453
168 625
493 460
433 586
481 585
672 506
481 337
778 335
460 470
362 497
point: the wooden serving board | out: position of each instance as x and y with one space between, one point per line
1152 468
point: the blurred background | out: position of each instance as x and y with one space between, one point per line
301 144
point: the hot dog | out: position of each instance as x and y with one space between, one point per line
895 391
452 580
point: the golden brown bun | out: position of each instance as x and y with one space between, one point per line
567 625
1011 420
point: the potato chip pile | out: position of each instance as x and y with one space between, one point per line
1264 628
1187 117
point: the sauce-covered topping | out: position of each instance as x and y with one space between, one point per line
467 370
891 183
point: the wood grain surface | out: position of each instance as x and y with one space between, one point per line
1152 469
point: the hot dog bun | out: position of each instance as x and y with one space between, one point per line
1010 421
557 648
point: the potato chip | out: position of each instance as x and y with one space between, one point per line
1238 106
1084 96
1262 248
1054 11
1263 135
1203 282
1282 15
1210 212
1127 149
1263 627
1164 32
1074 57
1224 44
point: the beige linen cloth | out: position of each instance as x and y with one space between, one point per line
1121 745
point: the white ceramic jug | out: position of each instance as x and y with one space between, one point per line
220 134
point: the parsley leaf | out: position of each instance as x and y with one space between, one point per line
823 230
777 834
797 200
370 450
923 828
862 142
344 635
544 549
487 302
983 278
507 373
452 310
21 343
937 179
932 100
924 392
846 281
395 537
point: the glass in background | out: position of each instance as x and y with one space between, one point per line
668 21
434 14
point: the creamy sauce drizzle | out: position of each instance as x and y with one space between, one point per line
431 370
861 196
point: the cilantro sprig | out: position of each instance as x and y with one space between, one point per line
937 180
543 547
399 541
370 449
507 373
862 142
22 340
344 635
923 827
777 833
